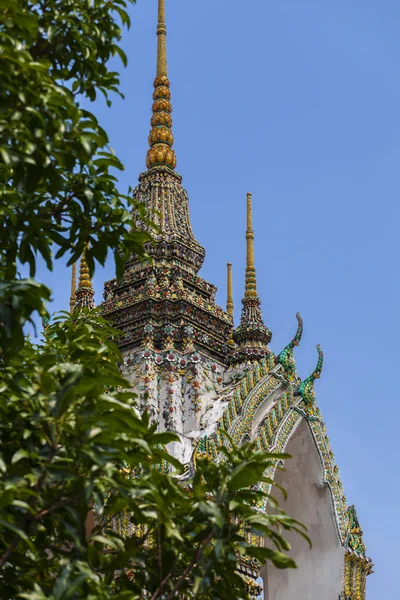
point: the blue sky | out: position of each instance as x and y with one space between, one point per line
297 102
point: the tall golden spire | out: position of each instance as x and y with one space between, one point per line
252 337
251 284
229 301
73 289
84 296
161 138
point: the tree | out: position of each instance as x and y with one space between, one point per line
70 437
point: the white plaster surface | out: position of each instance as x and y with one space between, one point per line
185 394
319 572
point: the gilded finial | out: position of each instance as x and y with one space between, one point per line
251 285
73 288
229 301
162 67
84 296
161 138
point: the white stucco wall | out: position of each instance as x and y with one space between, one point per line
319 573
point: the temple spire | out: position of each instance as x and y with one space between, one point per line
84 296
252 336
229 301
161 138
251 284
160 186
73 288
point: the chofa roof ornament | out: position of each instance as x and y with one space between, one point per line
286 357
306 388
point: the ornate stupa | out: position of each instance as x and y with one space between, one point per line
196 374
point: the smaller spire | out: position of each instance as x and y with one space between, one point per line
73 289
229 301
252 336
251 283
84 296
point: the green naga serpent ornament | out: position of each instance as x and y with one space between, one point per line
354 539
306 388
286 357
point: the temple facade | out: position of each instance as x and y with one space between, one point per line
196 374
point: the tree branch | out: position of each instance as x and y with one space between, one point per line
160 557
9 550
190 566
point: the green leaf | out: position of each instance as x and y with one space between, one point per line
18 532
19 455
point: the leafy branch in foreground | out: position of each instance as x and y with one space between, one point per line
71 439
57 182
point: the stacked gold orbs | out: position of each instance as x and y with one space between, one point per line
84 277
161 137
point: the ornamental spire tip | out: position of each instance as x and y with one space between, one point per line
161 138
251 283
73 288
229 300
84 296
162 67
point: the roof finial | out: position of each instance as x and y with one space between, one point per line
229 300
73 288
251 336
84 296
161 138
251 284
162 67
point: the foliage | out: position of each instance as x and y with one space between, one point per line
56 169
68 427
70 436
